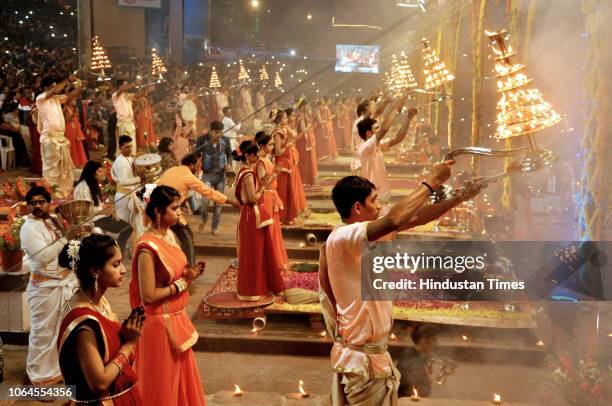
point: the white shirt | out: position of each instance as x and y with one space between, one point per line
123 106
356 142
82 192
41 243
122 172
50 114
372 159
229 123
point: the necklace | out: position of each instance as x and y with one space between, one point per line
104 310
168 237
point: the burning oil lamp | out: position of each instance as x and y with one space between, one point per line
540 343
415 395
301 390
497 399
521 112
237 391
392 337
323 333
464 337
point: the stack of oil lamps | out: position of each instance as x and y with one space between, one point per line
436 73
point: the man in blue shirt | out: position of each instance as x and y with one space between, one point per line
216 154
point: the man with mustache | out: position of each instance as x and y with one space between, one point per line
49 288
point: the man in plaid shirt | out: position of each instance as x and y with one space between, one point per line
216 152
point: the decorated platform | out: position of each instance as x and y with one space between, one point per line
477 314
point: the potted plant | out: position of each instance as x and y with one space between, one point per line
11 254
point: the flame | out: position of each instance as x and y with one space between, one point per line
253 330
301 389
465 338
323 333
392 337
237 390
415 394
540 343
497 399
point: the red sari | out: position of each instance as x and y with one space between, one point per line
144 124
122 392
307 151
290 185
75 136
259 272
274 205
35 137
167 371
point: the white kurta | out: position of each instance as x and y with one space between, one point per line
356 142
49 289
372 159
127 205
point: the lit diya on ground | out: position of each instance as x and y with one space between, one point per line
301 392
415 395
237 390
497 399
392 337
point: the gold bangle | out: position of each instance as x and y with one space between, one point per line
118 366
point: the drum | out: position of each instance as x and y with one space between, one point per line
148 167
189 111
76 212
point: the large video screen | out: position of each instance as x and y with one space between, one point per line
357 58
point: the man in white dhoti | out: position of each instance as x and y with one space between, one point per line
123 107
49 289
57 166
127 204
364 373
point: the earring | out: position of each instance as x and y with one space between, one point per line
157 221
95 284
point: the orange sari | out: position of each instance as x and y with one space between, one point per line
144 124
167 371
122 392
75 136
259 272
274 205
290 186
306 147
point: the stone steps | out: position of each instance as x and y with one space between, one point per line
293 334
